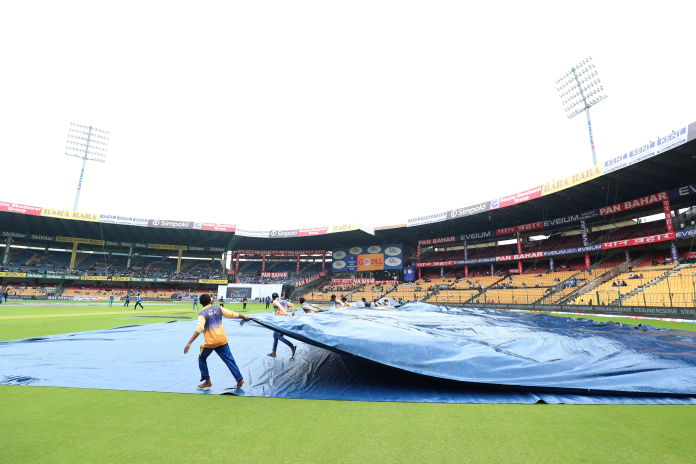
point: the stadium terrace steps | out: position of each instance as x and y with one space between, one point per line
680 293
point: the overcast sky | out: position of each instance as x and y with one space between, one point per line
302 114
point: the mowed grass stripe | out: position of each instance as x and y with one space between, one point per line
48 425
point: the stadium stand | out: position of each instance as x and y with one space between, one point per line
678 289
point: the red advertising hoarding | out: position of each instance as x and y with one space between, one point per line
352 281
310 279
214 226
638 241
274 274
17 208
637 203
520 197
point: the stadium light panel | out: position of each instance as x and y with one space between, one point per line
86 143
581 87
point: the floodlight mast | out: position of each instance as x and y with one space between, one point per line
576 78
93 141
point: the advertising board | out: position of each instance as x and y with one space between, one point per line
368 258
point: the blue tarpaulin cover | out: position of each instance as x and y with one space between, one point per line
416 353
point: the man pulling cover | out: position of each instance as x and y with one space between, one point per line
210 325
281 309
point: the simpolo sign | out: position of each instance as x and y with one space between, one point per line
169 224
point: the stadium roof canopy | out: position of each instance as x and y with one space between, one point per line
672 169
587 190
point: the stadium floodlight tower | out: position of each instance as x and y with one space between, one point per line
580 89
86 143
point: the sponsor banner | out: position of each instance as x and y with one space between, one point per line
468 211
631 204
368 258
238 293
13 274
673 250
212 281
18 208
515 271
634 156
297 232
274 274
588 263
119 244
161 246
522 228
73 298
312 231
683 191
342 228
210 249
466 249
536 254
173 281
617 163
88 241
310 279
352 281
517 257
436 241
478 235
671 141
281 253
668 215
410 274
690 255
521 197
570 251
231 272
160 280
283 233
169 224
429 219
45 238
441 263
642 153
638 241
475 261
583 231
551 264
214 226
124 220
386 282
31 275
63 214
639 312
573 180
370 262
101 278
686 233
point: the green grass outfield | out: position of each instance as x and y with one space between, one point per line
42 424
